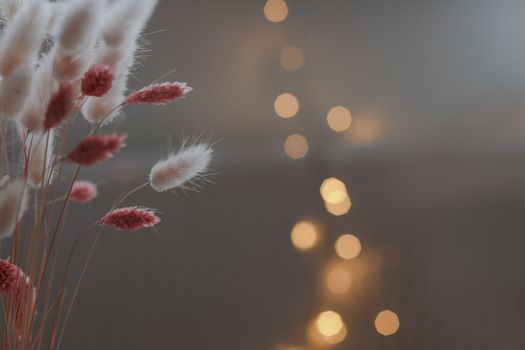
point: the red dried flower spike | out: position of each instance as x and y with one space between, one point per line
159 94
60 105
83 192
98 80
96 148
130 218
10 276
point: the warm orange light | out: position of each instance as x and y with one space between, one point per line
305 235
329 323
338 280
339 337
292 58
387 323
348 246
275 10
339 118
339 208
286 105
367 129
296 146
333 191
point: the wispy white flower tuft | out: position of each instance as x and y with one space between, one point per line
14 90
23 36
79 27
42 88
40 163
181 167
13 204
77 34
125 20
9 8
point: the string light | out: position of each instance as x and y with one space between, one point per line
292 58
387 323
286 105
305 235
339 208
296 146
275 10
348 246
338 280
339 118
333 191
329 323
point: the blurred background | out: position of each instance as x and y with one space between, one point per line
367 187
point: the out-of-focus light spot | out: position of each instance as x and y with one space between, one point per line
296 146
339 337
387 323
333 191
339 118
286 105
275 10
339 208
367 129
348 246
292 58
305 235
338 280
329 323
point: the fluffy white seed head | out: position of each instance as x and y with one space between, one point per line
23 36
9 8
79 28
180 167
67 69
40 164
125 20
42 88
13 204
14 90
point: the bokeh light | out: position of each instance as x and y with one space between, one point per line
305 235
339 208
292 58
329 323
368 128
339 118
333 191
339 337
286 105
338 280
348 246
387 322
275 10
296 146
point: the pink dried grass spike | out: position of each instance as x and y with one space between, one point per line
96 148
98 80
10 277
83 192
130 218
60 105
159 94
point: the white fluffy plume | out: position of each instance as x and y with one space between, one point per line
77 34
14 90
121 27
9 8
13 204
181 167
126 19
42 88
40 164
23 36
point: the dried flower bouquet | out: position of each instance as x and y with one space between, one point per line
58 60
